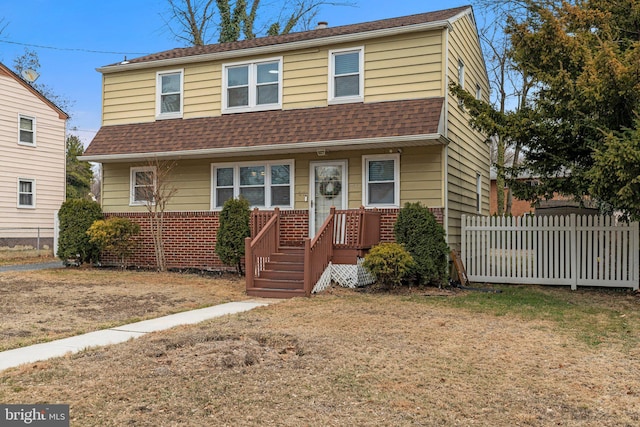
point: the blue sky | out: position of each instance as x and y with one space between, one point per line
71 38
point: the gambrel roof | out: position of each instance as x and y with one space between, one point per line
342 126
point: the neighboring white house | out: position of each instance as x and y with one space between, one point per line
32 164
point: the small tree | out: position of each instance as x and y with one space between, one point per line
76 216
115 234
233 229
390 263
156 189
420 233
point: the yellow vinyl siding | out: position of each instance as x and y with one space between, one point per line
202 88
403 67
420 169
468 151
191 180
128 97
305 79
398 67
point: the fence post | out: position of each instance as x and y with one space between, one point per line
574 252
56 233
463 240
636 254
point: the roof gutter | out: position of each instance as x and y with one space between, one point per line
297 147
279 47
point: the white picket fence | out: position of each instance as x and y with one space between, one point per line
560 250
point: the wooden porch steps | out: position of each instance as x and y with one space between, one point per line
283 275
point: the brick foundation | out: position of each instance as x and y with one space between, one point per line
190 237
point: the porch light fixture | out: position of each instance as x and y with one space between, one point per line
321 152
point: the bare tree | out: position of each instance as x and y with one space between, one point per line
510 84
190 21
156 187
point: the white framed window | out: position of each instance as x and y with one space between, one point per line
26 130
478 92
478 192
346 75
381 180
143 185
263 184
252 86
461 73
169 94
26 193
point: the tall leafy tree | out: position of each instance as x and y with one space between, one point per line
585 59
79 173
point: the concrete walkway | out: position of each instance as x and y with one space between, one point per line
38 352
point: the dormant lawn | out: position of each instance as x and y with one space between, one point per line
528 356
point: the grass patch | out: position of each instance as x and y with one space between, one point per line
25 256
594 315
40 306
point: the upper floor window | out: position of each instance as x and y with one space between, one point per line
478 92
27 130
346 80
26 193
143 185
382 180
265 184
169 94
252 86
461 73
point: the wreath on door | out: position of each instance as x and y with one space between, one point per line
330 186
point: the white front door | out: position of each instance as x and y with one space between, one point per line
328 187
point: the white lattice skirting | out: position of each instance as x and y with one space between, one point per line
347 276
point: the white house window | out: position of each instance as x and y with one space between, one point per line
382 180
252 86
169 94
143 184
27 130
461 73
265 184
346 82
478 192
26 193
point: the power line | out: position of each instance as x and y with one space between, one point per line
70 49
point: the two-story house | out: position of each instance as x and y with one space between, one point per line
346 117
32 164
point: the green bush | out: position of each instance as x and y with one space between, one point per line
424 238
234 228
76 216
389 262
114 234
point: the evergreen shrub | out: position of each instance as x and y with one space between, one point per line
76 216
114 234
390 263
418 230
233 229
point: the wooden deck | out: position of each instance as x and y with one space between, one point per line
284 272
